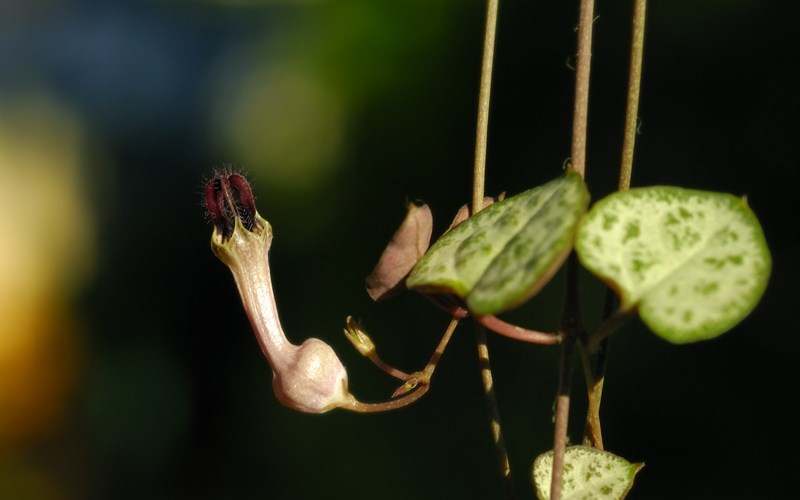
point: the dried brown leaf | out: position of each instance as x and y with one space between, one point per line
463 212
407 246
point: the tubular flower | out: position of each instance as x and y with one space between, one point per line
308 377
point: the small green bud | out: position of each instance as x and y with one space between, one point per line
358 337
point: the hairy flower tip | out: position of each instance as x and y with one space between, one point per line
315 381
228 198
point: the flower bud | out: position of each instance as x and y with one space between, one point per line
358 337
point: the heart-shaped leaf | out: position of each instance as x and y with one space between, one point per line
504 254
589 473
694 263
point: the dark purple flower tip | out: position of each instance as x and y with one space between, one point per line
228 197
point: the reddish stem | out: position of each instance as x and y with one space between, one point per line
515 332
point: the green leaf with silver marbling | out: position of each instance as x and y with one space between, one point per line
694 263
589 474
504 254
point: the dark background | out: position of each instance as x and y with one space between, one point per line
133 372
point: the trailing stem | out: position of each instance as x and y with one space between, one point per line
478 182
416 384
562 416
634 85
571 331
493 410
595 377
417 380
571 322
423 378
482 132
580 117
598 344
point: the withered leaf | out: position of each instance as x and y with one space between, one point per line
463 212
408 244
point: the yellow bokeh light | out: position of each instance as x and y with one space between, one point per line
46 252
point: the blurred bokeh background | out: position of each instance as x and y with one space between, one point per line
127 367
